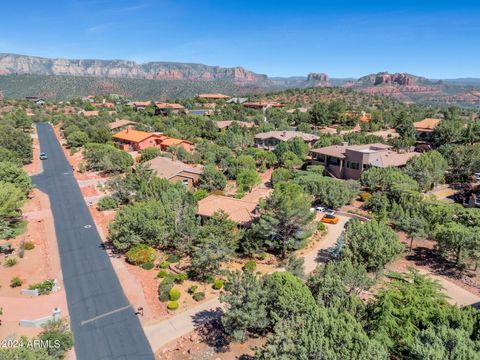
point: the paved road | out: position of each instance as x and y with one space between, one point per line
103 322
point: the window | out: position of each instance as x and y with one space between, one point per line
185 182
353 165
333 161
320 158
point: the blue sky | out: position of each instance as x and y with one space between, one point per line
437 39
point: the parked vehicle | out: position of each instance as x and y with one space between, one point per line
330 218
43 156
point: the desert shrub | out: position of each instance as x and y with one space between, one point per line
180 278
29 245
209 279
174 294
141 254
44 287
163 290
162 273
107 203
11 262
148 265
149 153
199 296
172 305
218 284
173 258
200 194
250 266
81 168
16 282
261 256
364 195
321 226
192 289
164 264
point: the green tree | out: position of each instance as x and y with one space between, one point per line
212 179
77 139
149 153
281 174
13 174
427 169
102 157
444 343
320 114
57 331
372 244
246 302
330 192
333 283
11 199
457 241
247 179
409 304
285 219
217 242
17 141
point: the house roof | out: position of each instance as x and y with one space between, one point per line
427 124
141 103
286 135
257 104
213 96
391 158
161 105
200 112
227 123
168 141
120 123
133 135
237 100
168 168
300 110
240 211
339 151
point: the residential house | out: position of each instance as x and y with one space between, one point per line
122 124
236 100
361 116
262 105
36 100
240 211
269 140
135 140
200 112
169 108
213 96
225 124
349 161
104 104
174 170
425 127
90 113
140 105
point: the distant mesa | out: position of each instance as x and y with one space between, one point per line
318 79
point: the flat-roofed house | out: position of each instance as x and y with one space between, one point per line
349 161
166 142
262 105
425 127
169 108
269 140
240 211
174 170
121 124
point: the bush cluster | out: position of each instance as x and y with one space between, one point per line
107 203
218 284
43 288
174 294
141 255
249 266
172 305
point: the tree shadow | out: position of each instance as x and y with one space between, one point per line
438 265
210 329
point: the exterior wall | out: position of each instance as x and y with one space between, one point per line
187 181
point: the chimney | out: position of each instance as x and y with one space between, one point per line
345 143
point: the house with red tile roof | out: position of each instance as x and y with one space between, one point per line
121 124
162 108
425 127
135 140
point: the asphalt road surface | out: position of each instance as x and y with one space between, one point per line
103 322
